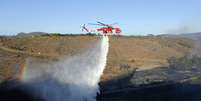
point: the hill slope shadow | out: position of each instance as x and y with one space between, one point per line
163 91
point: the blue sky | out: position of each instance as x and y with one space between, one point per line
133 16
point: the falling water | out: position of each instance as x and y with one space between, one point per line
74 79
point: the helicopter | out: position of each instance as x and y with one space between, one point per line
105 29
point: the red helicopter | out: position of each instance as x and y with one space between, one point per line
106 29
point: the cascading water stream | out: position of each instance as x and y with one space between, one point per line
74 79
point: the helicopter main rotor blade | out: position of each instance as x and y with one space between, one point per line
108 25
114 23
102 23
95 24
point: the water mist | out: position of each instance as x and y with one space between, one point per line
68 79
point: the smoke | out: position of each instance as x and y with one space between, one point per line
72 79
181 29
196 51
187 26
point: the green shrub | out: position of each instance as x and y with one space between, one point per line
56 34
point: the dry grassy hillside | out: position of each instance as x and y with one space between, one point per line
131 52
14 51
50 45
143 53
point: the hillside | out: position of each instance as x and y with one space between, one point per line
130 52
143 53
194 36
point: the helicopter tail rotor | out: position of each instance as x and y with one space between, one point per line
84 28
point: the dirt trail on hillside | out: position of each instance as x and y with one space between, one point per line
25 53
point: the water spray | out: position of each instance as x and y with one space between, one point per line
68 79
